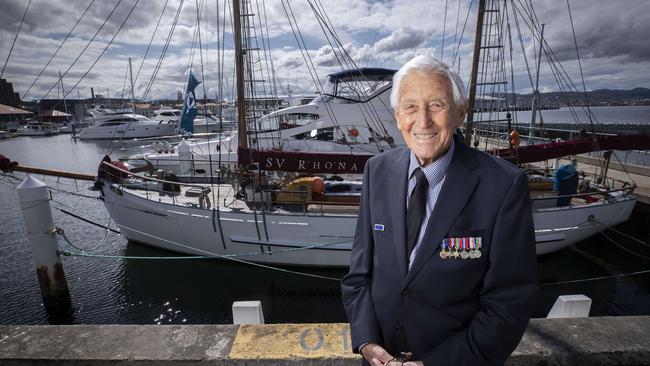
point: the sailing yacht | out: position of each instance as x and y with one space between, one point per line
39 129
310 221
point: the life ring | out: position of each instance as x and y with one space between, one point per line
353 132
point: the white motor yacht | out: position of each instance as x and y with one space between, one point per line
202 123
126 126
39 129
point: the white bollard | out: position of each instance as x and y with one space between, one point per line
185 158
35 204
570 306
247 312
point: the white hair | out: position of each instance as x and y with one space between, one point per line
426 63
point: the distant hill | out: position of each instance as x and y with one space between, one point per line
636 93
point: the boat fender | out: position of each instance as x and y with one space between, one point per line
6 165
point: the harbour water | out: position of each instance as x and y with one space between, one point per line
114 290
610 115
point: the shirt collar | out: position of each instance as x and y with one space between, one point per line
437 169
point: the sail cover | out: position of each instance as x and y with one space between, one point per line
332 163
534 153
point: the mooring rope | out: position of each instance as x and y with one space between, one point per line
232 257
596 278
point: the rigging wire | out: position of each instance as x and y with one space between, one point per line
368 110
57 50
444 31
272 73
455 32
565 83
22 21
86 47
146 52
306 57
163 52
462 33
582 76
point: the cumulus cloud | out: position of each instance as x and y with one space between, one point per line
375 33
401 39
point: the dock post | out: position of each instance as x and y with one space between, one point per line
570 306
35 205
247 312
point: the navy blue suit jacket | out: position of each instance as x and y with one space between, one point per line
444 311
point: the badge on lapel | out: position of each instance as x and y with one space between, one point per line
379 227
463 247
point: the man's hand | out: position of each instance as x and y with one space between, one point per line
376 354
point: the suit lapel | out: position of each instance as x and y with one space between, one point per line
396 193
459 184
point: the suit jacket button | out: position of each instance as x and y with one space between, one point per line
405 293
398 328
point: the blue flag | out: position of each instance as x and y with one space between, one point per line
189 105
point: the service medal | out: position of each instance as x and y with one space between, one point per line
463 253
443 247
472 245
478 247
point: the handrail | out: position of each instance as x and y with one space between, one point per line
111 167
596 193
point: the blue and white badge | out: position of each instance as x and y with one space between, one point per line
379 227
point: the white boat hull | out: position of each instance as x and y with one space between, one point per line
133 131
312 239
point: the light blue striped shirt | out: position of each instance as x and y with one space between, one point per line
435 173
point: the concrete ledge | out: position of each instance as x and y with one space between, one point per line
584 341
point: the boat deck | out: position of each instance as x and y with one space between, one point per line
636 174
193 196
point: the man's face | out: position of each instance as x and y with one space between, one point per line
427 115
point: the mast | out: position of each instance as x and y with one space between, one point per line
472 85
239 68
65 106
536 106
132 92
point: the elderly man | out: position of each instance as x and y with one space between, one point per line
443 268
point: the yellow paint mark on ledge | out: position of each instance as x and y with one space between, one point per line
283 341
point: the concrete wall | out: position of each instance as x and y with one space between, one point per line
585 341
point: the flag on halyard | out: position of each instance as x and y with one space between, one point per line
189 105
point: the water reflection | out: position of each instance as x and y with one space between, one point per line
202 291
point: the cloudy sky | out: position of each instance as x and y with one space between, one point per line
612 39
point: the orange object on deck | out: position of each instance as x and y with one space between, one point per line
514 138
